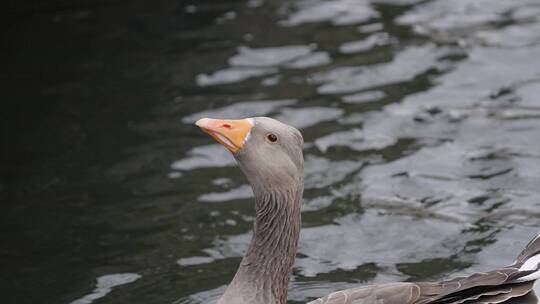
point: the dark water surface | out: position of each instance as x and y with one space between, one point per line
421 121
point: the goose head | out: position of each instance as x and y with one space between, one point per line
269 152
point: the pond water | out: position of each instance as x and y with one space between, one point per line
421 121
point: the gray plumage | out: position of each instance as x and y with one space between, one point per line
275 172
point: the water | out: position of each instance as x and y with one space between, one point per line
421 121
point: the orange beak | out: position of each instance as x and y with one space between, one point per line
233 134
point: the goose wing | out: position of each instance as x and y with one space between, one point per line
396 293
428 293
509 285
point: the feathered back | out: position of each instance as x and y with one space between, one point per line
508 285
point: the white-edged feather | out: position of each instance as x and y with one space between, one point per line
531 264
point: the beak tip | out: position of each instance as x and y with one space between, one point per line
202 122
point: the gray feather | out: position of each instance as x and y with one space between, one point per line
504 285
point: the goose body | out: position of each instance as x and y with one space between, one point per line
270 155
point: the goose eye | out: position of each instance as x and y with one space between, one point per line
271 137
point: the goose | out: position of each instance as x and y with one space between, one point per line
269 153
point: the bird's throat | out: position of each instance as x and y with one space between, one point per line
266 268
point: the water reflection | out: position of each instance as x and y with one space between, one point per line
250 63
451 151
421 121
105 284
408 64
370 42
339 12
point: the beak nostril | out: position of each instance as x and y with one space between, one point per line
228 126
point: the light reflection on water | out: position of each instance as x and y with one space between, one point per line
463 166
105 284
422 129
